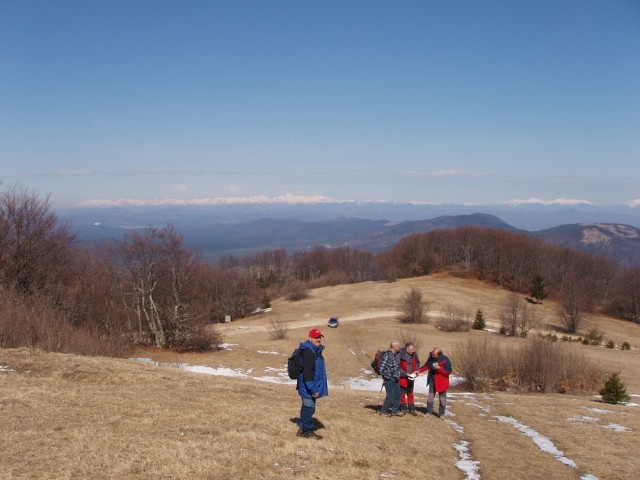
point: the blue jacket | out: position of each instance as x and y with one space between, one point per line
314 381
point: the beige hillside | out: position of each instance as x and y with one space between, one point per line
65 416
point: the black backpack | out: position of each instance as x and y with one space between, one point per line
294 367
377 361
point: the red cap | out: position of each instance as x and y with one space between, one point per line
315 333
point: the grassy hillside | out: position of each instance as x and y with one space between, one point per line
64 416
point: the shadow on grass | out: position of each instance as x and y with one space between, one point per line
317 423
376 408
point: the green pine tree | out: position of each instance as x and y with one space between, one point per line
539 288
266 301
614 390
479 322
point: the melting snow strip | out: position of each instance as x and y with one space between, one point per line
543 443
583 418
268 353
597 410
465 462
616 427
221 371
6 369
588 476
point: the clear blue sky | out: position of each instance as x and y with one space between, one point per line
429 101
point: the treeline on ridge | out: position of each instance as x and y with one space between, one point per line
149 289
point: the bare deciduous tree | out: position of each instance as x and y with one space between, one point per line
518 318
528 319
157 286
35 246
510 314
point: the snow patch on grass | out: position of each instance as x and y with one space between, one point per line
220 371
6 369
223 371
597 410
542 442
616 427
465 462
583 418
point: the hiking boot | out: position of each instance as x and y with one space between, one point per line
398 414
384 414
312 435
413 412
300 432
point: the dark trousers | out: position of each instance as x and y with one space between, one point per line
392 399
306 412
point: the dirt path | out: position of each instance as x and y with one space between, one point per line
239 328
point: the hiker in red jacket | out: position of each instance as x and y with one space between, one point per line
439 367
409 363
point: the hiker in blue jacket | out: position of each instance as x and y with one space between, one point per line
312 382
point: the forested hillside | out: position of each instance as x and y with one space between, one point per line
149 288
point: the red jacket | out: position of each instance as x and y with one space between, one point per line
408 364
440 377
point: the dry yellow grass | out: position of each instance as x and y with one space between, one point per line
74 417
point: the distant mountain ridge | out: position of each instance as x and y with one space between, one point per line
617 241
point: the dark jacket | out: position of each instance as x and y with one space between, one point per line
437 379
313 378
389 368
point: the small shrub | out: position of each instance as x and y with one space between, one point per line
625 346
412 307
611 344
565 338
594 337
551 337
470 360
196 338
479 322
534 366
297 291
454 320
552 367
503 330
278 329
614 390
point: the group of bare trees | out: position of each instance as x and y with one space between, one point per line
580 282
518 317
148 288
144 289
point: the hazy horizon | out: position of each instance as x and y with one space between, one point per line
479 103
